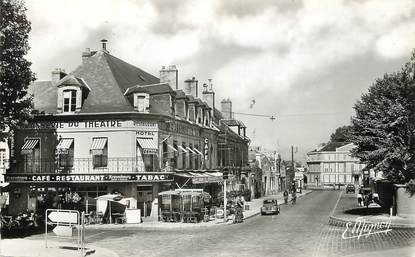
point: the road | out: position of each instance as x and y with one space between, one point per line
295 232
299 230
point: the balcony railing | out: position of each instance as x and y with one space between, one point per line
79 165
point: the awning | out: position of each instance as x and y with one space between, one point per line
197 151
29 145
64 145
183 150
148 145
172 148
202 177
190 150
98 145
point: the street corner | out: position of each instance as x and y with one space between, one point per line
29 248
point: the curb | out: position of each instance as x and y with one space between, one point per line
341 222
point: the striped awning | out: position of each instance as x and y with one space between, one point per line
197 151
29 145
172 148
190 150
202 177
98 145
65 143
148 145
183 150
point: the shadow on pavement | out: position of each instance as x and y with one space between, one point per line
366 211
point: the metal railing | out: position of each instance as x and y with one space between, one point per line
78 165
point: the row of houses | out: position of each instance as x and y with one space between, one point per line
109 126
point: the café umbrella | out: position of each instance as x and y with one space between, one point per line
112 198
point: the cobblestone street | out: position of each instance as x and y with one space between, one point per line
299 230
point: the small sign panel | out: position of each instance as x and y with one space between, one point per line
63 217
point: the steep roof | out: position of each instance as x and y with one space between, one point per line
107 77
160 88
330 147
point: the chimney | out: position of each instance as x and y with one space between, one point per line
190 87
170 75
104 45
86 55
208 95
226 109
57 75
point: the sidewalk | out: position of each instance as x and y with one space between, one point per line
254 209
36 248
347 210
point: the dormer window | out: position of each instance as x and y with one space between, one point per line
72 91
142 102
69 100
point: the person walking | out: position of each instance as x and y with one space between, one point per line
294 197
285 194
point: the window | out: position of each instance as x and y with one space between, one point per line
99 151
31 154
142 102
141 105
65 150
184 156
69 101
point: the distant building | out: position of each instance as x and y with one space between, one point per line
333 164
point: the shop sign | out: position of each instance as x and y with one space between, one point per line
82 178
206 148
205 180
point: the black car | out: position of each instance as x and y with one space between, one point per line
270 206
350 188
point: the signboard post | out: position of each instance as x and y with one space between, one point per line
65 221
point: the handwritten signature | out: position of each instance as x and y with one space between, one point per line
361 228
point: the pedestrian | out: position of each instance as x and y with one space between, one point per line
294 197
285 194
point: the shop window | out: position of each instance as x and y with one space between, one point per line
99 151
69 100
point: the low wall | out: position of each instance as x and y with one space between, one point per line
385 191
405 203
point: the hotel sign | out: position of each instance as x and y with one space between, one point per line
90 178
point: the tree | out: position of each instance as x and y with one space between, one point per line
384 126
15 73
342 134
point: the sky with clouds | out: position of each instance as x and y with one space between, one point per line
305 62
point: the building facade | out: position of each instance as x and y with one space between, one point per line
333 164
110 127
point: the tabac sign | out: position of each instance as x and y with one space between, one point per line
90 178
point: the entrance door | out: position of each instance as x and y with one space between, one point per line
144 199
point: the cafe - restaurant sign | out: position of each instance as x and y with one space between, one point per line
90 178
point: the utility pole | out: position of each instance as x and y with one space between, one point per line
292 166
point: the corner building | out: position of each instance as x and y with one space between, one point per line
108 127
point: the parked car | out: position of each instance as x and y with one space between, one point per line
350 188
270 206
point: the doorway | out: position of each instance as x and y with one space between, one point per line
145 199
